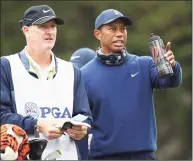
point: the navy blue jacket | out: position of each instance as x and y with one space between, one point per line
121 99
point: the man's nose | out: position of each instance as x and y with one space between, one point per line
119 32
49 29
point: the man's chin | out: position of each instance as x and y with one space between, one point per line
50 47
117 50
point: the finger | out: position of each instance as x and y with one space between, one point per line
55 131
75 131
168 46
71 134
76 136
79 127
172 62
168 53
169 58
53 136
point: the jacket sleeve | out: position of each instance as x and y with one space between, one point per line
81 105
8 112
165 82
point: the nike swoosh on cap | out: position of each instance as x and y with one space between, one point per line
45 11
75 57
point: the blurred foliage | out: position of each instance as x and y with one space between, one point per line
169 19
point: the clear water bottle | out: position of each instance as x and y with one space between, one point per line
157 49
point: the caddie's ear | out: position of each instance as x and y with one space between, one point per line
26 32
24 29
97 34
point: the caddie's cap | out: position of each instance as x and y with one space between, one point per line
39 14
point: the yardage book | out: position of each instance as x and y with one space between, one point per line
76 120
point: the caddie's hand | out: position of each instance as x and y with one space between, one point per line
77 132
50 132
169 55
54 133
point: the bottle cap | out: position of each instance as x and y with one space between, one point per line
153 37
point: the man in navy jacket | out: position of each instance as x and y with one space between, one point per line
120 90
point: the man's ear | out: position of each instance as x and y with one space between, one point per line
25 30
97 34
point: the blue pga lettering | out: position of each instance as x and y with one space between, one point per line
55 112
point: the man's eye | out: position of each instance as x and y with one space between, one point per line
124 28
112 29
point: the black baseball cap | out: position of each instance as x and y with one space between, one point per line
39 14
110 15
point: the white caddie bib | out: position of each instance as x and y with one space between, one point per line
51 100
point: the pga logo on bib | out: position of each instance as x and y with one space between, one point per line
31 109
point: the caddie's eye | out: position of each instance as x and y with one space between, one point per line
41 26
53 25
